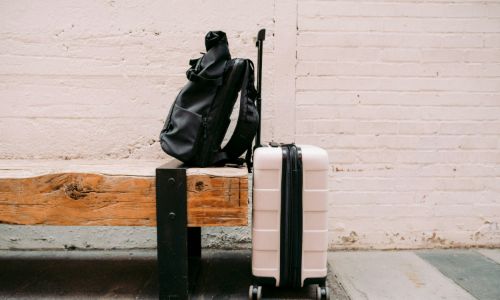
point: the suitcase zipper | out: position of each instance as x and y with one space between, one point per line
284 219
291 217
204 122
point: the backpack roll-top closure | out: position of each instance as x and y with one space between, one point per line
213 38
209 69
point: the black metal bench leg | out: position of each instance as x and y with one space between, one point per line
194 241
172 233
194 257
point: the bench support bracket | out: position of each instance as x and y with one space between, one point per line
172 232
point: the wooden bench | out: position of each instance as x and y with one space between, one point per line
175 199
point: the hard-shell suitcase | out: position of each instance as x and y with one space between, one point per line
290 213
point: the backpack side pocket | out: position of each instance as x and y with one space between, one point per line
182 134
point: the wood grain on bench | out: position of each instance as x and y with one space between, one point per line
118 193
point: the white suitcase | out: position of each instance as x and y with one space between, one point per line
290 215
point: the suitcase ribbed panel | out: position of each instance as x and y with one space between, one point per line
266 212
315 212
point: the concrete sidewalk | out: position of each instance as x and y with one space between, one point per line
429 274
424 274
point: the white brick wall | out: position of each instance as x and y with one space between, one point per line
95 79
404 95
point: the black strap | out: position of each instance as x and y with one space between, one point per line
247 124
248 158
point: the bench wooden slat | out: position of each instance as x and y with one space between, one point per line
91 199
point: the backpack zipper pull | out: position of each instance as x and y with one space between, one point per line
204 128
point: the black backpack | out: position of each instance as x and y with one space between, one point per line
200 116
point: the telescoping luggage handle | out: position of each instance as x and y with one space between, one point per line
261 36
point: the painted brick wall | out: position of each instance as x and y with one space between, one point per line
95 79
404 95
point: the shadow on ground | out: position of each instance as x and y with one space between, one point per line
77 276
129 275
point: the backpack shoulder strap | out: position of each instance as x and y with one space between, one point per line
248 120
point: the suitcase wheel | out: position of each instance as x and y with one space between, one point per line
322 293
255 292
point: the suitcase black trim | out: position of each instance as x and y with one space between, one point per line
267 281
291 217
297 213
321 281
284 226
